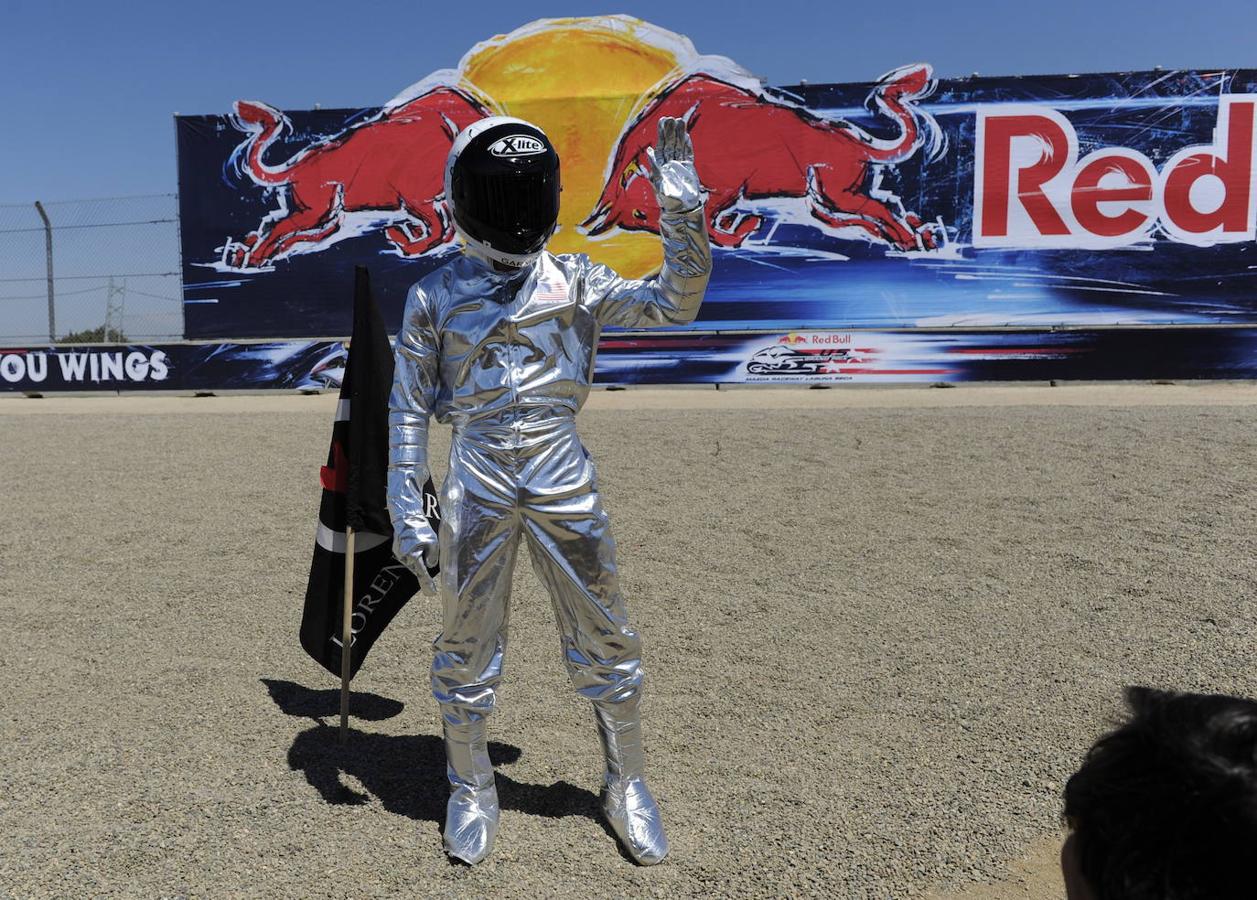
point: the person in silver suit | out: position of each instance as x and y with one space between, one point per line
500 343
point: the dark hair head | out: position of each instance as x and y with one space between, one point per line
1165 807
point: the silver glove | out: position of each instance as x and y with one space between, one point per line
671 169
416 557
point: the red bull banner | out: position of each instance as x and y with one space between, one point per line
907 202
775 359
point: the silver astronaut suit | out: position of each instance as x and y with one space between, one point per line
506 358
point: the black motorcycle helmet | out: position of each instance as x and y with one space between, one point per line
502 187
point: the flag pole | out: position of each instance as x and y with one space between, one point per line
346 634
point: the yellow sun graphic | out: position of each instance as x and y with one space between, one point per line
580 80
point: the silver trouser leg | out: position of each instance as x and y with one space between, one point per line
573 554
627 801
478 543
471 815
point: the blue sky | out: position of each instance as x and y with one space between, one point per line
89 88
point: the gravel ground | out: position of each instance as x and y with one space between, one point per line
881 627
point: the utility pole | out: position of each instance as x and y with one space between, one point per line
52 318
115 309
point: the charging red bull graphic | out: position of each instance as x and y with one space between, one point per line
388 171
908 203
752 150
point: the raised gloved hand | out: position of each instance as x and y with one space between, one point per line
671 168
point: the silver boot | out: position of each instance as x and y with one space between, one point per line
627 802
471 816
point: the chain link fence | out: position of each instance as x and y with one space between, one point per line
82 271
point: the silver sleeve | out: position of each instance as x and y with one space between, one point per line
673 296
410 406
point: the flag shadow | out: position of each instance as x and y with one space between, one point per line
406 773
297 700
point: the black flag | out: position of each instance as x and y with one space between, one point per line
355 482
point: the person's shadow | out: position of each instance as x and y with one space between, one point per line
406 773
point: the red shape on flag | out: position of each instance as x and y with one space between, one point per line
335 478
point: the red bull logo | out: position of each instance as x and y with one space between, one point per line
752 150
386 173
815 338
760 157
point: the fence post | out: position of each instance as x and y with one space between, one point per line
52 318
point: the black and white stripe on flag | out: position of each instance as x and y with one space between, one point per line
354 489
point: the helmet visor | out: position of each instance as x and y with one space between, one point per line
512 211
